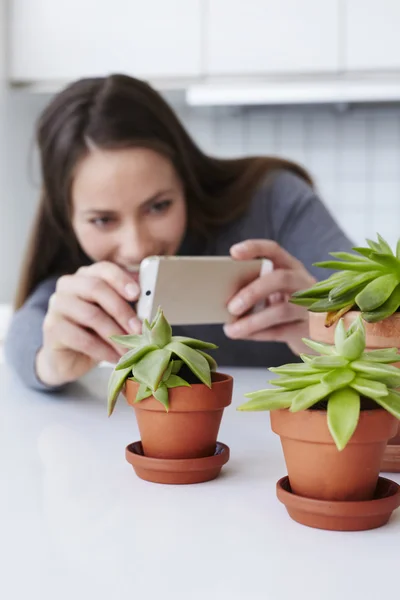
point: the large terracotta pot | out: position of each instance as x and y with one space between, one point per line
317 469
190 428
384 334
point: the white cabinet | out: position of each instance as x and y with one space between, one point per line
63 40
271 36
372 40
319 47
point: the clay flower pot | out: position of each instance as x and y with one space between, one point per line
190 427
178 398
383 334
335 412
315 467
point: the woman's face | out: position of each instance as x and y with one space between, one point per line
127 204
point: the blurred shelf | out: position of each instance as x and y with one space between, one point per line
314 90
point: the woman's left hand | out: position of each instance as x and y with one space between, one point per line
279 320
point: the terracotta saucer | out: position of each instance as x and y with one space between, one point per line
391 459
341 516
178 470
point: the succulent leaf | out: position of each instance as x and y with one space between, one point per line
174 381
350 344
349 256
319 346
309 396
168 371
264 400
352 284
376 292
193 343
385 310
341 376
296 383
385 248
370 282
373 245
321 286
330 362
154 360
129 341
383 355
333 317
176 366
326 305
150 369
338 378
143 392
303 301
161 394
389 262
161 331
210 359
115 385
369 388
133 356
343 413
193 359
348 266
296 369
391 403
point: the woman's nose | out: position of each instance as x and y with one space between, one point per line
135 244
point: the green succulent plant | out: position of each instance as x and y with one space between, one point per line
155 359
368 281
339 378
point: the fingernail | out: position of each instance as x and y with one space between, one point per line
134 325
236 306
231 330
239 245
132 290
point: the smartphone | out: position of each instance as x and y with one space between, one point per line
194 290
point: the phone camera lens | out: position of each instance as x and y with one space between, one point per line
148 293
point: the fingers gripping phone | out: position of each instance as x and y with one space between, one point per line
194 290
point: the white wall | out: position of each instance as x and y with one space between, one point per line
4 284
353 155
17 196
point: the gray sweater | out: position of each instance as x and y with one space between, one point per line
284 209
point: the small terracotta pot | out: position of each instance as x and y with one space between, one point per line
317 469
190 428
384 334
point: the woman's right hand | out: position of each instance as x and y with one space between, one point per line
84 311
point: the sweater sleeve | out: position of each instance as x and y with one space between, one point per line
303 225
24 336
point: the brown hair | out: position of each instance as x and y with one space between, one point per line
114 112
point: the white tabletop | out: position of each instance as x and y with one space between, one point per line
77 523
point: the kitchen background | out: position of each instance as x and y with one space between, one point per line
316 82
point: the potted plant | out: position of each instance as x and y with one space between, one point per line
367 283
178 398
334 412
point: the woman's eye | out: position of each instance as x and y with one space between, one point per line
101 221
159 207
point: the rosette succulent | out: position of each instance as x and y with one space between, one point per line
155 360
368 281
339 379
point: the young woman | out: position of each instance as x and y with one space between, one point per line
123 180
